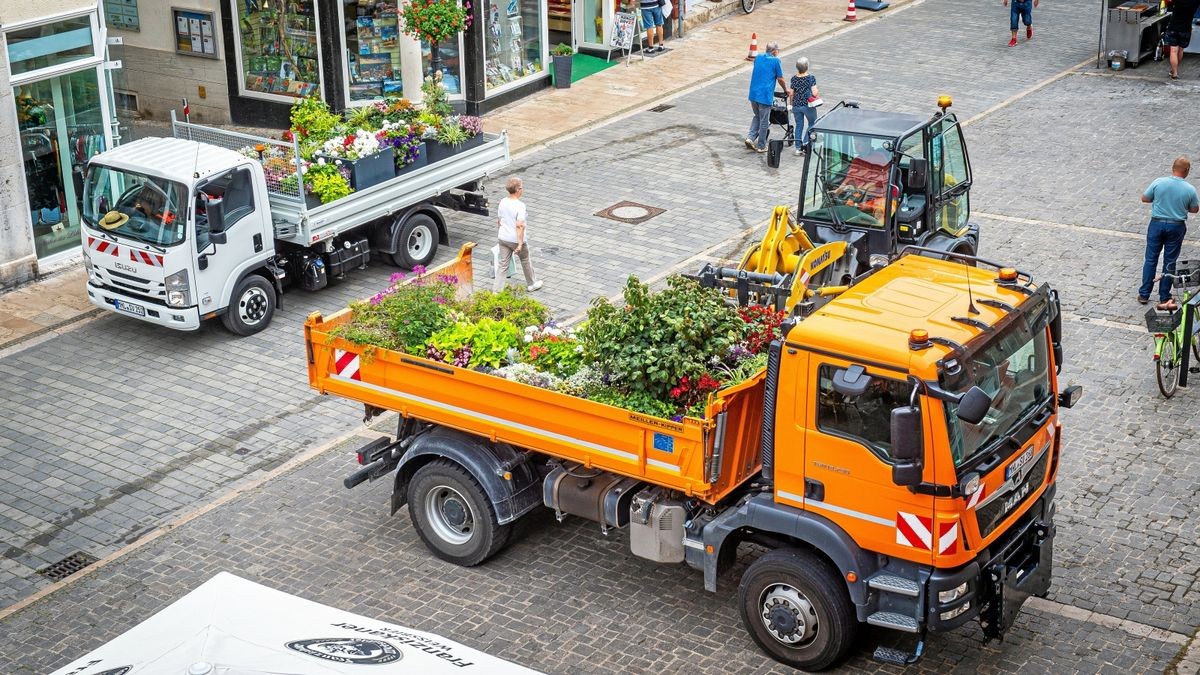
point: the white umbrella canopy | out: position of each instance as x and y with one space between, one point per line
231 626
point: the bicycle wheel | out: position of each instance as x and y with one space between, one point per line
1166 368
747 6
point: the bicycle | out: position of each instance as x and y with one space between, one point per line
1170 355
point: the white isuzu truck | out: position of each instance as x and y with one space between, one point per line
182 229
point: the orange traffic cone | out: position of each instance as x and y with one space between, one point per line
754 46
850 15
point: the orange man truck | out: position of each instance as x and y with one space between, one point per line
897 457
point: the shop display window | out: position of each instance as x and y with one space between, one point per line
51 44
61 123
277 47
372 30
449 62
513 46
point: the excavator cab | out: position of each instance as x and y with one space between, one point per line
880 181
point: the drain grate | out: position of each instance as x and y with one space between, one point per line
630 212
67 566
662 108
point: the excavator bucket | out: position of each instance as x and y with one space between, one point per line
778 270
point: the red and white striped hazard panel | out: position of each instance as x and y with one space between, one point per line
102 246
917 532
346 364
151 259
974 499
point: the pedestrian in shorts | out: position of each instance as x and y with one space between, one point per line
1021 10
1178 34
652 19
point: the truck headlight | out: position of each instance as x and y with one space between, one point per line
945 597
179 292
946 616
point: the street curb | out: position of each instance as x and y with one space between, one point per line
288 466
742 66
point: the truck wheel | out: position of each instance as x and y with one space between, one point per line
418 242
797 609
252 306
453 515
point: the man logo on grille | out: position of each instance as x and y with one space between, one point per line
348 650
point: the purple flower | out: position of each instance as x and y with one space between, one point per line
419 270
676 418
447 279
471 124
398 276
439 299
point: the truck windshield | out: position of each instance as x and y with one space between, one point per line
846 180
150 210
1014 370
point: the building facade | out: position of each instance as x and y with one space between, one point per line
56 110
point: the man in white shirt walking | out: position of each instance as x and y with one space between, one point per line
510 221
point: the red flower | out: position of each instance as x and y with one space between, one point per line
348 141
287 136
676 392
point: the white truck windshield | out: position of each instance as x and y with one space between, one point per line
146 209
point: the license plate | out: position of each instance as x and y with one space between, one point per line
129 308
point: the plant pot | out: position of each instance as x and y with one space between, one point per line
421 161
438 151
562 72
311 201
370 170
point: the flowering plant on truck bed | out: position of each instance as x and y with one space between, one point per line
659 353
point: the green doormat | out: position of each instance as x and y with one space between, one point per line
583 65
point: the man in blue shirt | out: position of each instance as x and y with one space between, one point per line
1171 198
766 74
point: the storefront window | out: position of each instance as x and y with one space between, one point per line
61 125
449 63
513 45
372 30
277 43
51 44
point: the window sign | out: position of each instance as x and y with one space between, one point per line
195 33
372 31
278 54
122 14
513 47
51 44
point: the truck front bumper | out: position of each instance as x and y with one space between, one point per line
178 318
1001 579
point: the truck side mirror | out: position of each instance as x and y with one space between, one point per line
918 173
908 446
852 381
214 207
1056 330
973 406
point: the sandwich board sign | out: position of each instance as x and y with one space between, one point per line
625 28
231 626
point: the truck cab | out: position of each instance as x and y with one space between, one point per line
880 181
155 216
914 442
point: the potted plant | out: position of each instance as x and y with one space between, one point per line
448 139
562 65
435 21
406 144
327 180
369 162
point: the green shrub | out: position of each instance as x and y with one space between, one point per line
511 305
402 317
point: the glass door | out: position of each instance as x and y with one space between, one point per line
62 123
592 21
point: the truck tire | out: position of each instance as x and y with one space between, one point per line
418 242
251 307
453 515
797 609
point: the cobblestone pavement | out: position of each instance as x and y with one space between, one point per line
144 424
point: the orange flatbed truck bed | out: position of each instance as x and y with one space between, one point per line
897 455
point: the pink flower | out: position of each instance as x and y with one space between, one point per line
419 270
398 276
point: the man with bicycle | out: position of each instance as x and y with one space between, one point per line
1171 198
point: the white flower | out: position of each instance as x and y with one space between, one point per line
321 161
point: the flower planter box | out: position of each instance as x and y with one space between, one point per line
438 151
421 161
311 201
370 170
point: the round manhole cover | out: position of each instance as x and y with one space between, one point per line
631 211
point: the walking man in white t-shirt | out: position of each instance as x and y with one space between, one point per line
510 219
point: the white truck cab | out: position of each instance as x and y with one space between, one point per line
176 231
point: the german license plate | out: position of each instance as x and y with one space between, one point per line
129 308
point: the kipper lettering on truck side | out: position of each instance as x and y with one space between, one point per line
179 230
898 457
